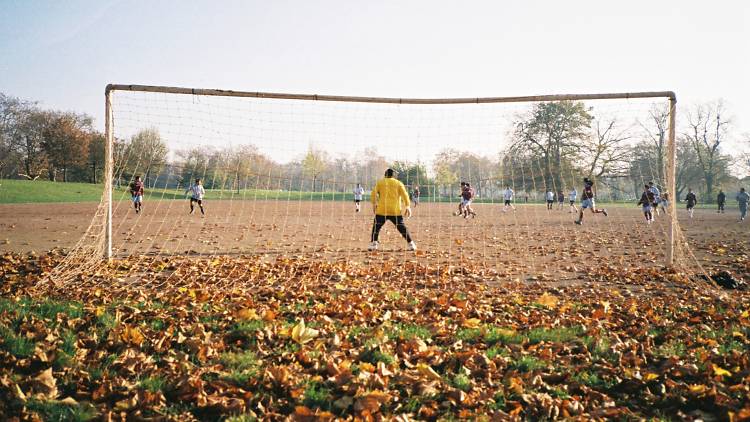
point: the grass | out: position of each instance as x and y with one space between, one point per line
592 379
554 335
461 382
316 395
528 364
17 345
410 332
153 384
241 366
46 309
53 411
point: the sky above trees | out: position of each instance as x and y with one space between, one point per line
63 54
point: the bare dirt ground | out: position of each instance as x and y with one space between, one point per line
530 242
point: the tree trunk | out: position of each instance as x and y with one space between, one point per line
709 188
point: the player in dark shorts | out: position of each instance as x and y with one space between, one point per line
647 200
587 200
466 196
415 196
721 200
691 200
136 193
461 204
560 199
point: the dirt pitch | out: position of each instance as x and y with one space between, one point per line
530 242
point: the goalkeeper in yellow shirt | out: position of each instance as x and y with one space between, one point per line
387 198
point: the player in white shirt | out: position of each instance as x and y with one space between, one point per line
572 196
358 192
196 195
550 199
508 197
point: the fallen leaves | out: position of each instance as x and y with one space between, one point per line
324 341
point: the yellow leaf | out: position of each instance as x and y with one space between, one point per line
247 314
132 335
745 314
472 323
302 334
698 389
651 376
428 372
547 300
182 289
719 371
99 311
605 304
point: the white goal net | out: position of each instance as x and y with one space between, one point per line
279 178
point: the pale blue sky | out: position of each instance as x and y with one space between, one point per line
64 53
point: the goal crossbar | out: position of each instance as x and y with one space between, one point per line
671 158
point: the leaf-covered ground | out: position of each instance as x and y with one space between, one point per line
335 341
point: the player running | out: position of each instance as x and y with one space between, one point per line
387 198
136 193
647 200
560 199
657 197
572 196
508 197
589 193
196 196
358 192
467 196
461 204
691 200
721 200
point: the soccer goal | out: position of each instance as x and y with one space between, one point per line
205 173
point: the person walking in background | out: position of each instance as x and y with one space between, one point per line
508 198
742 199
136 193
467 196
196 196
572 196
691 200
550 199
560 199
647 199
415 195
358 192
657 197
387 198
721 200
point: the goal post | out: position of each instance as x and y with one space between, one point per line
111 125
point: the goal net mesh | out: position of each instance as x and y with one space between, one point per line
280 175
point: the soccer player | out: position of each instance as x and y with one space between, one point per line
196 196
461 204
572 196
589 193
387 198
358 192
691 200
467 195
657 197
136 193
647 200
560 199
415 195
721 199
550 199
742 200
508 197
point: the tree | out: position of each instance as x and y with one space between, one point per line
66 140
553 132
606 150
656 132
97 148
21 125
688 172
411 173
314 164
708 129
148 152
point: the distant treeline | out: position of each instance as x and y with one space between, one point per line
552 148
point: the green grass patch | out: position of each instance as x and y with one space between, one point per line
374 355
17 345
241 366
469 335
409 332
241 418
672 348
528 364
495 351
461 382
317 396
495 335
153 384
54 411
554 335
593 380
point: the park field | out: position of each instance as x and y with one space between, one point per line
265 308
